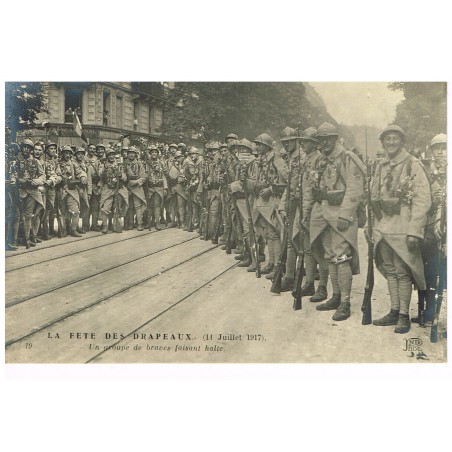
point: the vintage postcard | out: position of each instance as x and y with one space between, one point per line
225 222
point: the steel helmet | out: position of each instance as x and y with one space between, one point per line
173 145
309 134
181 145
246 143
178 154
264 138
232 136
27 142
153 148
50 143
224 145
66 149
13 147
288 134
231 144
440 138
214 145
394 129
132 149
193 150
77 150
109 151
100 145
327 130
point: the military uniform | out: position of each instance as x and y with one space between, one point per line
73 177
53 178
84 189
112 176
338 190
177 183
94 169
30 179
214 180
401 200
192 174
271 178
136 177
157 187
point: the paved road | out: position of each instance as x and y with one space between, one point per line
169 297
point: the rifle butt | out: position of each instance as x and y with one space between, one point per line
276 285
434 333
297 306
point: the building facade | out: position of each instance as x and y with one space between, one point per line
106 110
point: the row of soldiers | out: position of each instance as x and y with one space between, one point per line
303 204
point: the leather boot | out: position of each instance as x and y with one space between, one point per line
139 212
331 304
287 284
271 275
45 228
403 324
268 269
320 295
158 226
389 319
246 262
104 223
80 230
27 227
343 311
74 225
307 290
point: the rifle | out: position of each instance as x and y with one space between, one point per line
366 306
276 285
220 218
58 212
228 213
420 308
190 209
297 302
254 245
117 223
441 278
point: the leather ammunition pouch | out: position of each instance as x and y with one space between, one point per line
157 183
258 188
333 197
390 206
72 185
361 215
278 190
134 177
172 182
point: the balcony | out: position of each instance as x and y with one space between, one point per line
154 89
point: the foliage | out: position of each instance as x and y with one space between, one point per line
211 110
423 112
23 102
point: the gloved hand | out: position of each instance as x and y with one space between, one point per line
413 243
265 193
342 224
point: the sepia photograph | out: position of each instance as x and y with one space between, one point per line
225 222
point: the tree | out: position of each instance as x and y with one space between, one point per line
423 112
23 102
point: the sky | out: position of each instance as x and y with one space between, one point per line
348 102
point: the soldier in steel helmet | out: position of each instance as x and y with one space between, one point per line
170 202
157 186
111 177
401 200
12 195
213 185
30 176
231 137
136 177
271 180
85 188
53 179
436 167
305 161
178 184
192 174
94 168
72 177
337 190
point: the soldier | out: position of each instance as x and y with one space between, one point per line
136 177
213 185
100 152
192 172
85 188
178 183
73 176
12 196
437 169
338 188
157 186
182 147
30 176
231 137
94 168
112 179
271 179
53 178
203 192
170 201
401 199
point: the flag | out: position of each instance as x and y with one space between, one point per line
78 128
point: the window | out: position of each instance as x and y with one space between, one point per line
136 115
119 111
72 103
106 108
